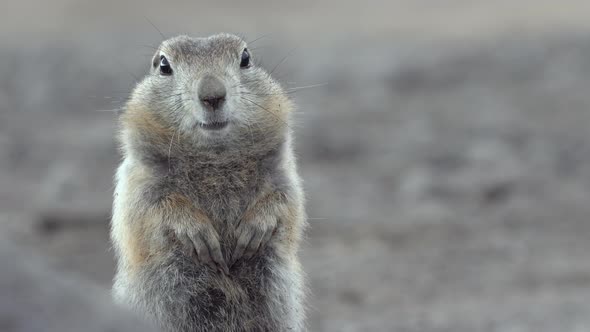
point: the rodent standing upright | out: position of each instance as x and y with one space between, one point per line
208 210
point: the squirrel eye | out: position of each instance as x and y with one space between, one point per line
245 62
165 68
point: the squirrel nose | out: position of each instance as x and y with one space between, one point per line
211 92
212 103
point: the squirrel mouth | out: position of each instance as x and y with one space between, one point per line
214 125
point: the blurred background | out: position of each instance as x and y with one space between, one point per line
445 152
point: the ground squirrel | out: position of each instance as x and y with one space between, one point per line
208 210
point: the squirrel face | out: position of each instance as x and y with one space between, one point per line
209 90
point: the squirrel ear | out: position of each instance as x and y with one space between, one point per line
156 59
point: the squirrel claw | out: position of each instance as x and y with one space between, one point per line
252 238
205 246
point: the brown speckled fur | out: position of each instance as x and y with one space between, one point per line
206 225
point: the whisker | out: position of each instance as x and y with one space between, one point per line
257 48
155 48
155 27
257 39
282 60
269 111
115 110
170 149
297 88
250 131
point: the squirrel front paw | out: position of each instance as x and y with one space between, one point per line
203 243
253 236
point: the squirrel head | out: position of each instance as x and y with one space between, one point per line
203 93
